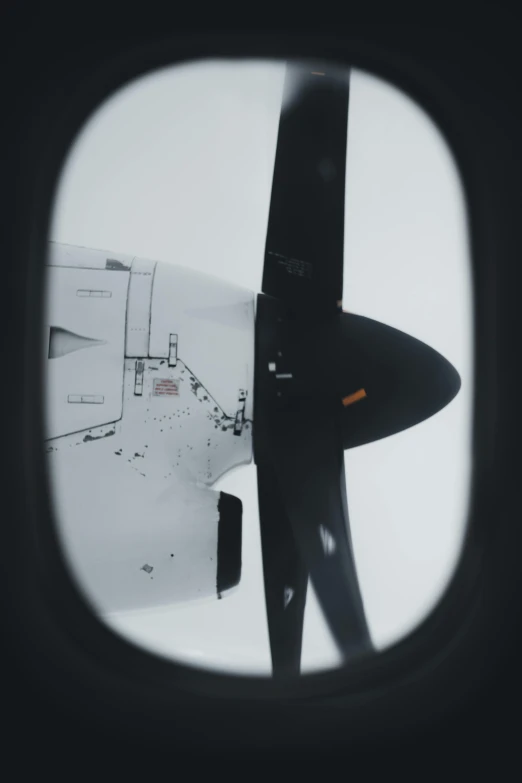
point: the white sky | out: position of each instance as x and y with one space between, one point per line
178 167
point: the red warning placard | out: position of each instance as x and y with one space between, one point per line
165 387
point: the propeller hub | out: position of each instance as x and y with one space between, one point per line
380 379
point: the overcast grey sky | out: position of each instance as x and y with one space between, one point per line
177 167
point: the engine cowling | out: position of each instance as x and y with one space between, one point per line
149 400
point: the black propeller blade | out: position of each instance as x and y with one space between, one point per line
309 463
303 264
302 501
285 576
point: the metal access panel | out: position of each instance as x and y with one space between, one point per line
84 379
138 309
207 325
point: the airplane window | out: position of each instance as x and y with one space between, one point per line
258 347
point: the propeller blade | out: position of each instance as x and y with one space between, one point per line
308 461
285 576
303 263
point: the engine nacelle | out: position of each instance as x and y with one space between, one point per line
149 401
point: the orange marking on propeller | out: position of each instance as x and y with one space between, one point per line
351 398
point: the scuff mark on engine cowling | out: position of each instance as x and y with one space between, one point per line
88 438
112 263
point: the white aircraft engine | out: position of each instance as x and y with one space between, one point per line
149 400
